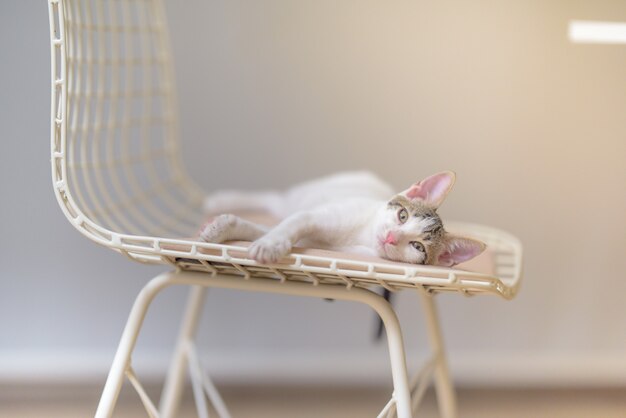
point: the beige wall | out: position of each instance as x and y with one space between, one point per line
274 92
534 126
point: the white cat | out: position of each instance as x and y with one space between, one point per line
348 212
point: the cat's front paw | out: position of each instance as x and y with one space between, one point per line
218 230
269 249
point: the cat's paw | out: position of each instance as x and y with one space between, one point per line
217 231
269 249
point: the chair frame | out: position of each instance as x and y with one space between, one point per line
107 213
406 395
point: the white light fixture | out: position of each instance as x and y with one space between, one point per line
597 32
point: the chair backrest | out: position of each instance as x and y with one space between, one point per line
115 153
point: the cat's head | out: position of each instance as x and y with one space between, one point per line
411 231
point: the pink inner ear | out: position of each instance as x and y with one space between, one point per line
460 250
433 189
417 192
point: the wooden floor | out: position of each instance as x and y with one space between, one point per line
305 402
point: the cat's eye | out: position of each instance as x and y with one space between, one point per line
418 246
403 215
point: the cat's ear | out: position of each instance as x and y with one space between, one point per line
459 249
432 190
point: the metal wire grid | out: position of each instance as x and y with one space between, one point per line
116 165
115 124
233 260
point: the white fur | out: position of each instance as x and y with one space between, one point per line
344 212
334 188
340 212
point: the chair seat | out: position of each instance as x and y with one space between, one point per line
495 271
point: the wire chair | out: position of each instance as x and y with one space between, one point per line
118 177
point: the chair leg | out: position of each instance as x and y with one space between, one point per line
402 394
443 384
121 362
172 390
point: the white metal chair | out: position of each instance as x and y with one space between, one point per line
119 180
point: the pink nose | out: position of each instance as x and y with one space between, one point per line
391 239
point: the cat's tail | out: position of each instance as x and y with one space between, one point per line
227 201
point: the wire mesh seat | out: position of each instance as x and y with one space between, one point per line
118 177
